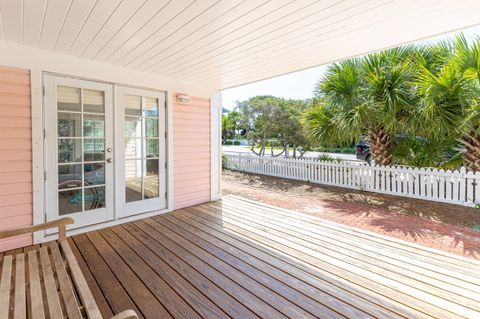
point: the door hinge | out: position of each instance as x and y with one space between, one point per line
165 194
43 90
44 133
44 175
166 135
166 165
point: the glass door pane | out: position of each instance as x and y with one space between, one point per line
142 146
81 149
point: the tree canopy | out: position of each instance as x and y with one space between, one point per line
412 104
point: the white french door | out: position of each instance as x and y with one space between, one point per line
105 158
140 157
79 150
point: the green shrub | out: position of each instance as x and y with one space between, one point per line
325 157
236 142
224 161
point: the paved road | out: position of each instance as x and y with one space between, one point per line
243 149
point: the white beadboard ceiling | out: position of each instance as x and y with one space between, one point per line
225 43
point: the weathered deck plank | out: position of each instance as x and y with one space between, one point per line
241 259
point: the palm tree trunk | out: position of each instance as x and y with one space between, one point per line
471 155
380 146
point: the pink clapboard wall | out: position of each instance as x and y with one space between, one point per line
191 152
15 155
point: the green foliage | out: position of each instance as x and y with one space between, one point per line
422 152
335 149
230 124
224 161
273 122
230 142
325 157
426 95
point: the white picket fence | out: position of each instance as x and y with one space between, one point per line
455 187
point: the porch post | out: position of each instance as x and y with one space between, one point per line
215 146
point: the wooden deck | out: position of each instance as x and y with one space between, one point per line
242 259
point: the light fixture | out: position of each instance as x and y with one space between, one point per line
183 99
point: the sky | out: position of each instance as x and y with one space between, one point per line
299 85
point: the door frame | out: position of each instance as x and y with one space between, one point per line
84 218
37 76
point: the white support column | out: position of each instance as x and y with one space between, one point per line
169 127
37 151
215 146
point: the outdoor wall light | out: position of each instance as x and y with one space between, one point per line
183 99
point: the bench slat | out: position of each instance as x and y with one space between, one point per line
20 310
71 304
5 286
53 301
35 287
83 290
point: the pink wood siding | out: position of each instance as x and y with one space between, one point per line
191 152
15 154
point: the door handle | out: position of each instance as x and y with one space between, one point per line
109 160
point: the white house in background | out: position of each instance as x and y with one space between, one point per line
91 122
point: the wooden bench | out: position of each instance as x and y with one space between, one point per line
47 282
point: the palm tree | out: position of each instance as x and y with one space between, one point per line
371 96
449 93
226 127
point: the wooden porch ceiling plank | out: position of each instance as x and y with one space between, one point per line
270 295
349 292
167 296
432 282
149 306
100 300
182 287
307 284
462 264
193 275
113 291
390 288
260 274
447 273
250 299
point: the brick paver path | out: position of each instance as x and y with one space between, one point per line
447 227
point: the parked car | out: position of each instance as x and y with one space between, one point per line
362 152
